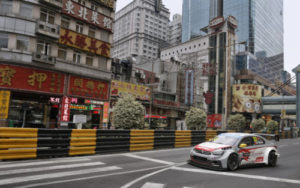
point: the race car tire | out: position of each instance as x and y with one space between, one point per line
233 162
272 159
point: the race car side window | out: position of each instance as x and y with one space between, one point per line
258 140
247 140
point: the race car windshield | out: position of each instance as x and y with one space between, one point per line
227 140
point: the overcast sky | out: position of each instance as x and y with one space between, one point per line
291 28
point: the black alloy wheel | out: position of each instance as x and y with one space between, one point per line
233 162
272 160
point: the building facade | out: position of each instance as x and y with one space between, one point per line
55 62
175 30
260 22
141 29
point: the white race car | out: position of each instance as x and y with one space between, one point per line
232 150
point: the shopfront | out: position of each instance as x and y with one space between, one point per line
36 99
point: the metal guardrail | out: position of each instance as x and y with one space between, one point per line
24 143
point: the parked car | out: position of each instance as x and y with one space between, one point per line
232 150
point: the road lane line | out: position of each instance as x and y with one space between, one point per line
249 176
91 177
149 159
283 146
55 175
25 170
153 185
43 162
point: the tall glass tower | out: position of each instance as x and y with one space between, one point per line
260 22
195 16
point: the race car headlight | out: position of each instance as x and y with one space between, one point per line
218 152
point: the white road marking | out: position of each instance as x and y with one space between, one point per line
153 185
249 176
25 170
56 175
43 162
149 159
90 177
283 146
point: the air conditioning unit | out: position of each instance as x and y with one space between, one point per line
44 58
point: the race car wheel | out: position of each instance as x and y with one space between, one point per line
272 160
233 162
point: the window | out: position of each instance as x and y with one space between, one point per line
65 22
3 40
62 53
258 140
25 10
248 141
89 60
102 64
79 27
6 6
76 57
47 16
22 43
104 36
43 47
92 32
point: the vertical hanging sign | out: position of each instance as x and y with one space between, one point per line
65 109
105 112
4 103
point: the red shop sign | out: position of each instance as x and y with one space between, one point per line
65 109
85 14
89 88
21 78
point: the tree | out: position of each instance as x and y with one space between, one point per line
236 122
195 119
258 124
272 125
128 113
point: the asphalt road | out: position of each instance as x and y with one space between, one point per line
150 169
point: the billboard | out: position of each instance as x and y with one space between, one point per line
119 88
214 121
246 98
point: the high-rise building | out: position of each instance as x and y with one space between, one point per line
175 30
141 29
260 22
55 61
195 16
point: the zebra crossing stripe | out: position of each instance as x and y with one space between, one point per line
25 170
37 163
152 185
56 175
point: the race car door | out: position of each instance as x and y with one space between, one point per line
246 153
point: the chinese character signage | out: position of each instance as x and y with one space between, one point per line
65 109
105 112
89 88
85 14
22 78
214 121
119 88
246 98
83 42
4 104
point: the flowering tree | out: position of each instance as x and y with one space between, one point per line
272 125
195 119
236 122
128 113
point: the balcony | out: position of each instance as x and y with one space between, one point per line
47 29
44 58
56 3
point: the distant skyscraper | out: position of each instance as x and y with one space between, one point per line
175 30
141 29
260 22
195 16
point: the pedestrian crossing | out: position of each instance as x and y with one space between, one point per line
20 173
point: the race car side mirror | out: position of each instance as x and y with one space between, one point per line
243 145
